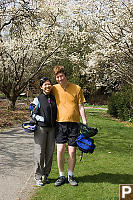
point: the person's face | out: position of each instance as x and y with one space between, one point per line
46 87
61 78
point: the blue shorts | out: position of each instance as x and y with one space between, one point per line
67 132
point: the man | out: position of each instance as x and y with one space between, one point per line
69 99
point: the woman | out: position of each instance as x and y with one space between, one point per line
45 115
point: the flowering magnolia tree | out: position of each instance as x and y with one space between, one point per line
112 54
27 42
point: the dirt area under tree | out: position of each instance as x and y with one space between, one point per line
11 118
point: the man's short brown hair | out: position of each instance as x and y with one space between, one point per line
59 69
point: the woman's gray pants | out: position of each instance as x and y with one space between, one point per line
44 138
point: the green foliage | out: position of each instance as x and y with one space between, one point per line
120 104
2 96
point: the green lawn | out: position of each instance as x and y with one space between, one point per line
99 174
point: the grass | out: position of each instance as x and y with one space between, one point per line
99 174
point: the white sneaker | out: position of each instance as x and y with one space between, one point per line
39 183
45 179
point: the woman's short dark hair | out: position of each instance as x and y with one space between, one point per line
43 80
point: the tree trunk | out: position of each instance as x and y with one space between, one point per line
11 104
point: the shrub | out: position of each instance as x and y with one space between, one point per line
120 104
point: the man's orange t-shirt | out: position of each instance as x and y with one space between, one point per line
68 101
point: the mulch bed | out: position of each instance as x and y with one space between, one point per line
10 118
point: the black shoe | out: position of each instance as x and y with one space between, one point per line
72 181
60 181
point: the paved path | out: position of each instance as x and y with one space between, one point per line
16 164
97 108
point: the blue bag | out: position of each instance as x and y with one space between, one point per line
85 144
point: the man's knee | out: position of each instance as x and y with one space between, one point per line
72 151
60 148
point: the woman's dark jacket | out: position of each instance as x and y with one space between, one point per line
47 109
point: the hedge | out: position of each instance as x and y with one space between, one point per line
120 104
